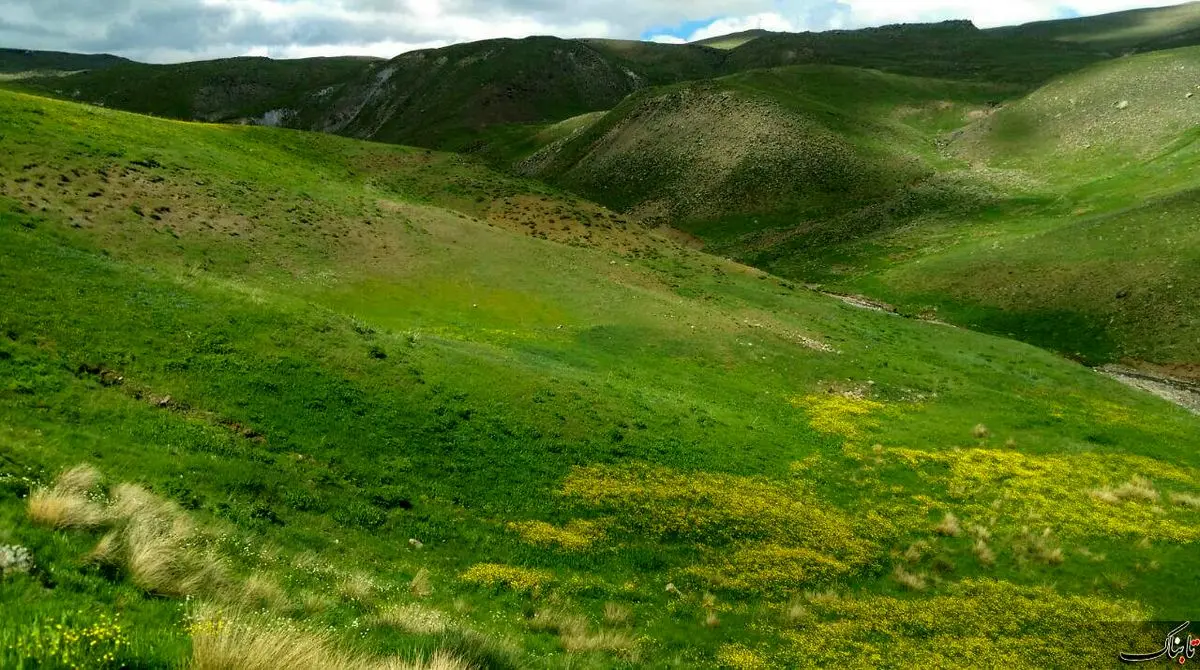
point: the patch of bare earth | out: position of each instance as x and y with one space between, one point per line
1182 392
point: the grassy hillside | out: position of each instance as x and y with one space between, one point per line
492 97
1091 249
733 40
25 62
797 151
950 50
228 90
364 423
457 98
1122 32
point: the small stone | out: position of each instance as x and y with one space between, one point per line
1124 104
14 559
415 543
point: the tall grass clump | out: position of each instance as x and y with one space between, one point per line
159 546
240 641
72 502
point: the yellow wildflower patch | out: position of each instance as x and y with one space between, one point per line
787 536
838 414
768 568
510 576
711 506
1057 490
993 624
740 657
576 535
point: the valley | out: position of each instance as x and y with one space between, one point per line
632 355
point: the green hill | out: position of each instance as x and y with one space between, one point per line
340 417
732 40
1089 248
491 98
1129 31
797 151
463 97
235 90
949 50
25 63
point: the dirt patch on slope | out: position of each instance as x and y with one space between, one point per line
1182 392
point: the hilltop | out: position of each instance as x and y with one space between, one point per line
491 98
790 147
27 63
376 419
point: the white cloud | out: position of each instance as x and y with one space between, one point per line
766 21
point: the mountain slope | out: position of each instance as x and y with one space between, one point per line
949 50
441 98
492 97
792 148
1092 252
382 422
732 40
1129 31
26 63
229 90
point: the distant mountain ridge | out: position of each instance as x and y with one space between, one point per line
449 98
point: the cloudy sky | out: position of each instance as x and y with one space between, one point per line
176 30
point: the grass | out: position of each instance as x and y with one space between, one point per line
311 379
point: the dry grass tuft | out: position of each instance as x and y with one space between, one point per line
259 591
822 597
620 643
558 621
984 553
316 603
1040 547
1186 500
413 618
909 580
981 432
711 620
421 586
1137 489
979 532
158 545
949 526
577 637
151 538
79 479
70 502
247 642
617 615
357 587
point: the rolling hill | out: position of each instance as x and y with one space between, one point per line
795 149
25 63
440 98
1095 255
336 410
491 98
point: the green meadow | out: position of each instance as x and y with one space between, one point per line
357 405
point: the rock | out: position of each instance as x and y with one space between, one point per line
14 559
1124 104
415 543
1122 294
